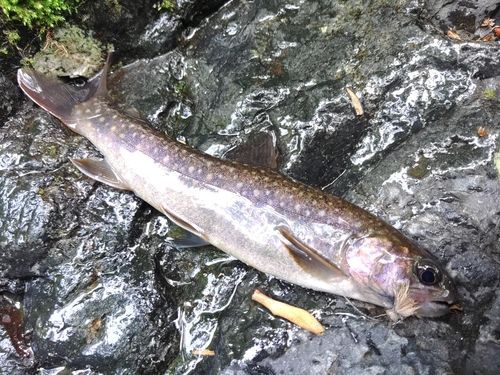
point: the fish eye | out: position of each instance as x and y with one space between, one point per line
79 82
427 272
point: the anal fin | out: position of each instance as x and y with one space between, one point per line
188 239
309 259
100 170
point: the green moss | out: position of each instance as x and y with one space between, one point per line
490 93
39 14
421 169
180 87
496 161
167 5
70 51
114 6
12 36
52 150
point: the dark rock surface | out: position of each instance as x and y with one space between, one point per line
103 292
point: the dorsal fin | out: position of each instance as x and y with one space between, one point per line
257 148
102 87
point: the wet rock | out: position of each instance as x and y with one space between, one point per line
10 98
105 292
144 29
466 18
485 357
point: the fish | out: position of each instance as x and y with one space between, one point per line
267 220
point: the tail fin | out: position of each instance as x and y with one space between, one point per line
59 98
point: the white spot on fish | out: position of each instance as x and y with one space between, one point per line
239 185
210 176
191 169
102 119
321 213
256 192
113 128
297 207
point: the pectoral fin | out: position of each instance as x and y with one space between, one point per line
198 232
309 259
100 170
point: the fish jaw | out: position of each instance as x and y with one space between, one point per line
390 266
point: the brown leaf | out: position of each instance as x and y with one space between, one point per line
355 102
453 35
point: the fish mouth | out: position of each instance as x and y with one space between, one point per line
436 304
432 309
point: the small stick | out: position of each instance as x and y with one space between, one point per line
300 317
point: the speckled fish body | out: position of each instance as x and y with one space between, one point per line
273 223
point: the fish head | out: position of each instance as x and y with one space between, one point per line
404 277
430 286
